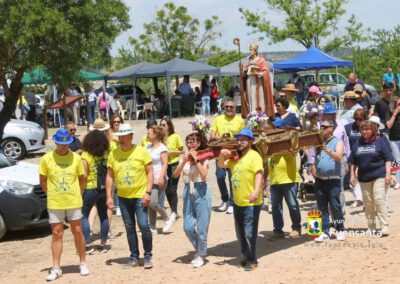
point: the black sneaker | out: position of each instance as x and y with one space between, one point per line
89 250
133 262
148 262
103 249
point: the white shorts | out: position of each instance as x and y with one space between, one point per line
61 215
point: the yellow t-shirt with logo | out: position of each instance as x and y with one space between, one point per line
174 143
130 171
145 141
293 103
283 169
62 172
243 178
93 162
222 124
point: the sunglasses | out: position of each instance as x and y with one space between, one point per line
72 130
229 107
116 121
241 140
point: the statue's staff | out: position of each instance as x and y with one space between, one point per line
244 102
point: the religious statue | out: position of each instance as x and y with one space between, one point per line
256 82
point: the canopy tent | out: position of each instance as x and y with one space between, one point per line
232 69
131 71
40 76
175 67
312 59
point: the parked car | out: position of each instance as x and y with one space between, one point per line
21 137
339 90
324 78
123 92
23 203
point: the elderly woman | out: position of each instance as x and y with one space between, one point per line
371 156
354 133
289 119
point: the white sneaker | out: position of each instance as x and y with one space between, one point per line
84 270
198 262
223 206
229 210
340 236
195 258
172 217
118 212
322 238
168 224
54 273
154 231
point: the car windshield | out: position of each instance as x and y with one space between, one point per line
4 162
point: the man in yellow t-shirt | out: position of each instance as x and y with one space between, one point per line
130 168
247 178
284 178
62 177
229 123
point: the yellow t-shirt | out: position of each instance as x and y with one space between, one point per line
93 162
113 145
130 171
243 178
222 125
283 169
174 143
145 141
293 103
62 172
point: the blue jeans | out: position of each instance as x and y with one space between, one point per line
289 192
205 105
90 198
196 215
246 226
116 199
129 207
92 106
221 174
328 193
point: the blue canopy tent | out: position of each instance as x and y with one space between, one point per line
312 59
131 71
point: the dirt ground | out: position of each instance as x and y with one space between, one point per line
25 256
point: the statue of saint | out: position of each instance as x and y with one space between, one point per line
257 85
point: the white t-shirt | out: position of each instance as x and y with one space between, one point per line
155 154
190 173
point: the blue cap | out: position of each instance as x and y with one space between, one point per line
1 92
245 132
330 108
62 137
279 122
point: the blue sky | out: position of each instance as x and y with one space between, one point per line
375 14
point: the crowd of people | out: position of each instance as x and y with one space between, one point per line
108 172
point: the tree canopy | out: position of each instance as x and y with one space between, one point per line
309 22
60 35
175 33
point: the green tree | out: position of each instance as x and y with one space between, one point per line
60 35
175 33
306 21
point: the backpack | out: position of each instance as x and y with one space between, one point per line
101 174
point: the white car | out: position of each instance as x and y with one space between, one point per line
20 137
23 203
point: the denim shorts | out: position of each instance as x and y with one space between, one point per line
61 215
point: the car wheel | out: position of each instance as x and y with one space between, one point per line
3 227
13 148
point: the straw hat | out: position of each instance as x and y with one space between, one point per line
124 129
376 120
351 95
290 87
99 124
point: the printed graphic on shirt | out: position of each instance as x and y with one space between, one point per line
366 149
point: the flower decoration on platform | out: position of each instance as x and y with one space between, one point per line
256 120
311 109
200 124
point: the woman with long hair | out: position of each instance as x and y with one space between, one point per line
214 96
196 197
175 148
159 154
94 156
205 98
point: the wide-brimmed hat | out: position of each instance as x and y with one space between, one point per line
62 137
245 132
99 124
351 95
330 108
358 88
124 129
376 120
314 89
290 87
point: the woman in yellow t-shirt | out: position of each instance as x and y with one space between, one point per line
175 148
62 177
95 147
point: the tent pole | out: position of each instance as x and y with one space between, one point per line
337 82
221 85
169 95
134 97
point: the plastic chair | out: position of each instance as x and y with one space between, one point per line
197 108
176 107
148 108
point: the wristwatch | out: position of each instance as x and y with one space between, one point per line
149 193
